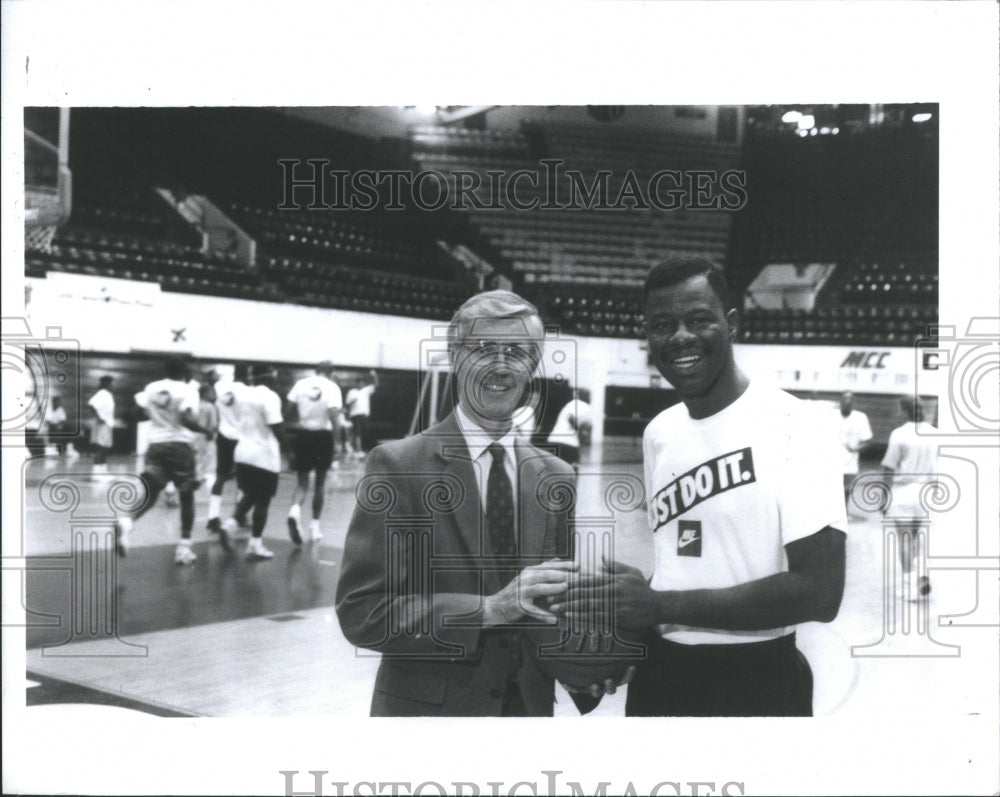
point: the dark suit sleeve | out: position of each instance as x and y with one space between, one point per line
385 597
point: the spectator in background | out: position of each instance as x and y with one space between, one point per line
855 434
102 422
55 425
909 466
573 427
359 408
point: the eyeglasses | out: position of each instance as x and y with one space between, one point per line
493 348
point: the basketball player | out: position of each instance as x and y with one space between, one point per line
359 400
573 427
257 456
855 434
747 521
910 465
171 405
102 409
316 401
226 391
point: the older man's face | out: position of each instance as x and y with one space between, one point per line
493 366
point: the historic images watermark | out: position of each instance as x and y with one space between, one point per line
311 184
549 783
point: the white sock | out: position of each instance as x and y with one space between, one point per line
182 543
214 506
295 513
314 526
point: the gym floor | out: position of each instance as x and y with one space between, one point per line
228 637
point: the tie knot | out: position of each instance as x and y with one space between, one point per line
497 451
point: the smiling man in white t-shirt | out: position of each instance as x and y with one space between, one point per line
747 519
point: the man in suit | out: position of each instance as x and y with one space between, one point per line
460 536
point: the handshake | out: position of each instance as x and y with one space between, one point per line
601 618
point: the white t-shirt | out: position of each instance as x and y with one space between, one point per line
854 430
361 398
104 405
912 454
315 396
165 401
727 493
571 417
258 408
55 415
226 395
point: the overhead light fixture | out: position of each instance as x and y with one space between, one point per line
802 133
807 121
790 117
921 117
835 130
824 131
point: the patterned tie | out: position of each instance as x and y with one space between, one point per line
500 508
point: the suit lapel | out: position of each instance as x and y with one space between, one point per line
451 449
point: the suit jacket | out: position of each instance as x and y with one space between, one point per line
418 563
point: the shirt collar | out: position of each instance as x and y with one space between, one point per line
478 440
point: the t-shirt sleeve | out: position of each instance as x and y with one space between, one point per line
866 428
141 398
272 409
369 389
811 494
893 452
293 394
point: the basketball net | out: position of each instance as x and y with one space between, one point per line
38 238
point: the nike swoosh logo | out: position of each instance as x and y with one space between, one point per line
685 541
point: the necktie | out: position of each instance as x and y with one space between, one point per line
500 506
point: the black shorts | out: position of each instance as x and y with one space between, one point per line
256 482
313 450
225 465
171 462
750 679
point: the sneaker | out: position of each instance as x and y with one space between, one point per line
256 550
315 535
184 555
225 536
122 529
293 530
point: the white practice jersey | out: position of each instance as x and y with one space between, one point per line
314 397
165 401
258 408
226 393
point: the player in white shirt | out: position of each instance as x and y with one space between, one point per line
746 516
358 403
102 407
855 434
226 394
316 402
573 427
910 464
257 455
171 405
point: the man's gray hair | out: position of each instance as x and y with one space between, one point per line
494 304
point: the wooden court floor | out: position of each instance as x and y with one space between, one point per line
226 637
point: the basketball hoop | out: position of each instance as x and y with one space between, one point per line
38 238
